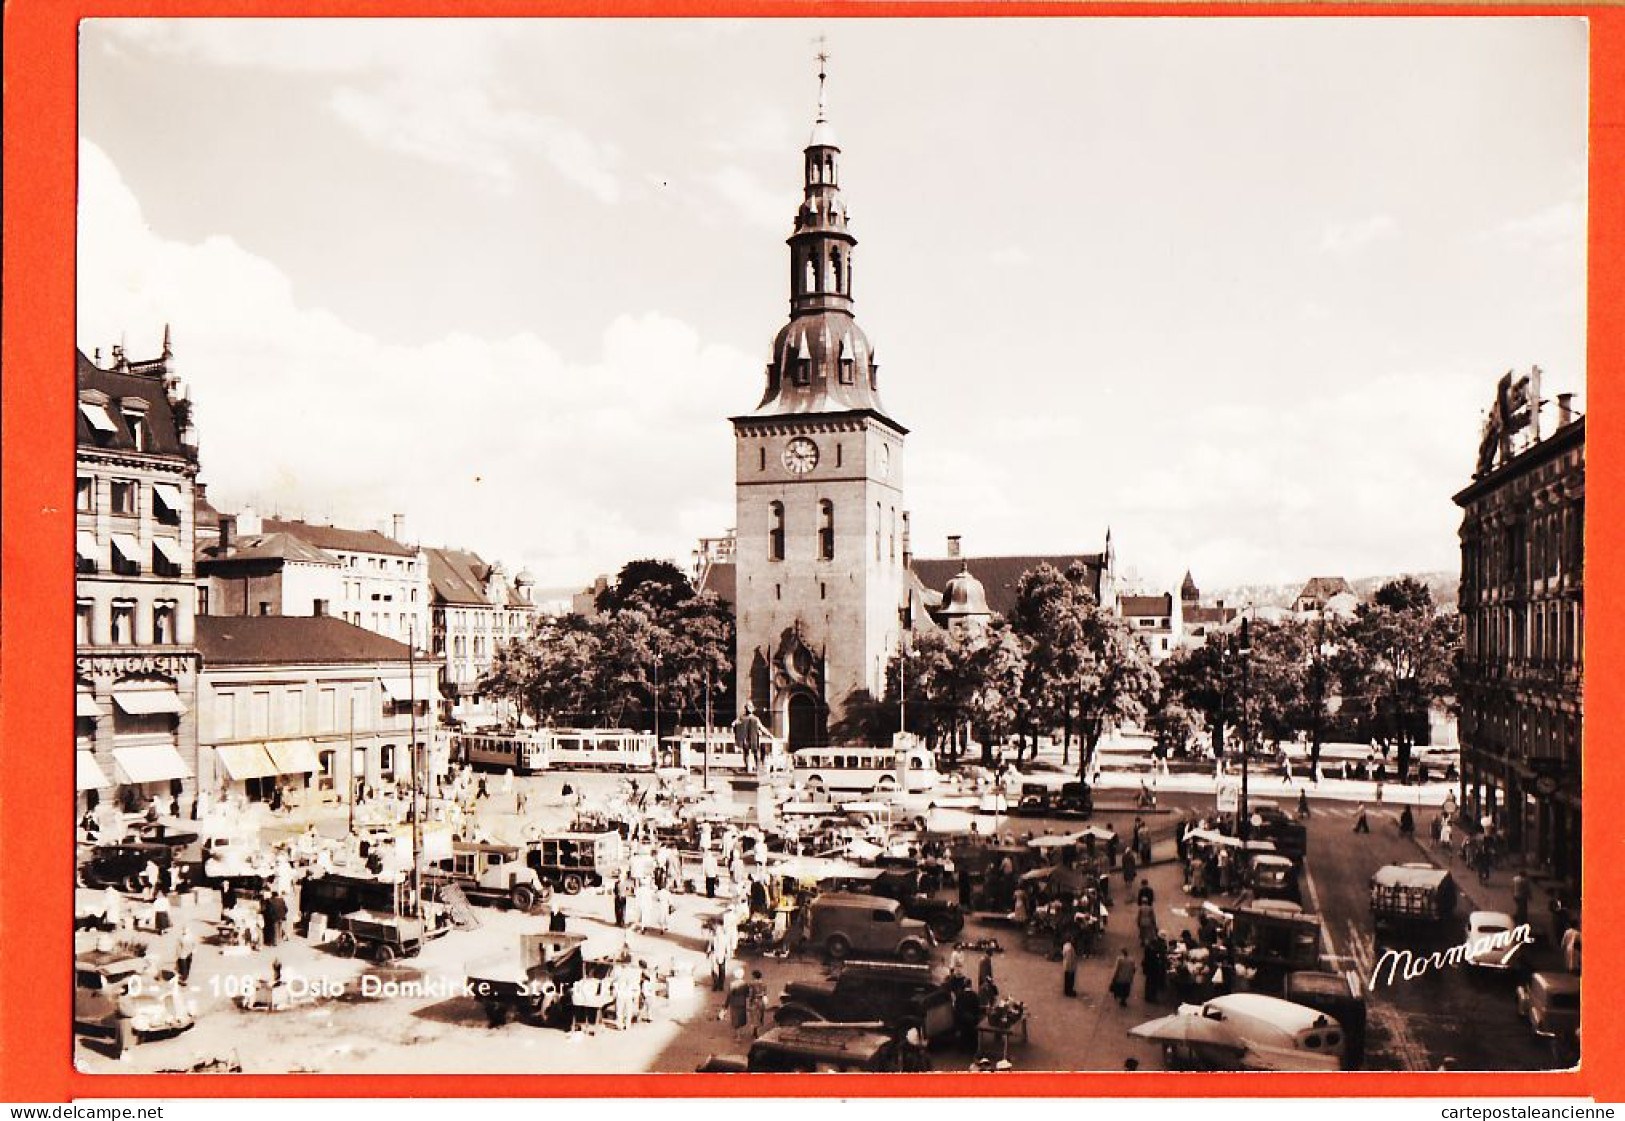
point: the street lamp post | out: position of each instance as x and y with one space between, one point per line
1244 650
657 702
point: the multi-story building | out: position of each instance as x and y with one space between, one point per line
1155 621
309 703
136 664
1197 621
384 585
475 609
1523 611
247 571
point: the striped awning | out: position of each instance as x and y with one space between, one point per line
97 415
85 705
293 757
171 550
158 763
129 548
170 495
243 761
89 775
88 548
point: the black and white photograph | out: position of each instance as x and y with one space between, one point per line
634 546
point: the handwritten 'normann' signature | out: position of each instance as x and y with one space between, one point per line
1410 966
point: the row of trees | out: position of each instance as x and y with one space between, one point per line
1372 678
652 632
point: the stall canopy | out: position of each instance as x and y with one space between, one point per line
293 757
149 702
158 763
170 495
170 549
85 705
90 775
243 761
87 547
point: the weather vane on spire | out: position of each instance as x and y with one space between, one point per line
823 59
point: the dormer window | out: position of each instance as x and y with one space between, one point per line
95 414
139 434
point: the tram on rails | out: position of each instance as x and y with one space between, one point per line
532 751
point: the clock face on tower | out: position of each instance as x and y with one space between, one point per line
800 456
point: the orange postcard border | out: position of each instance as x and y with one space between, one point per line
36 546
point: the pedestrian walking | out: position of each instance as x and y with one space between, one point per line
620 900
1361 825
1520 899
1069 969
1447 837
1481 861
185 948
1379 791
1130 866
1122 978
1145 921
1303 802
717 955
481 791
984 971
708 869
964 887
1154 964
1561 922
1571 948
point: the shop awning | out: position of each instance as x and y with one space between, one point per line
88 547
90 776
170 549
149 702
170 495
293 757
128 547
158 763
243 761
85 705
97 415
399 690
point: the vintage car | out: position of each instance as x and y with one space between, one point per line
1275 935
1500 950
1074 800
533 987
117 996
1550 1002
1413 895
1275 877
904 885
1035 800
811 1049
490 874
844 923
383 936
1340 996
121 865
1268 1033
898 996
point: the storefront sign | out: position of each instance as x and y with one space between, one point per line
132 665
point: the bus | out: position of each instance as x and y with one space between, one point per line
528 752
686 749
880 769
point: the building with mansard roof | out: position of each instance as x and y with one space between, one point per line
476 608
136 660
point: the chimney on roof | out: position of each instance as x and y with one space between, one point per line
249 523
397 527
1221 605
953 546
1565 409
228 530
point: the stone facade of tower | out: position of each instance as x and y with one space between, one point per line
818 484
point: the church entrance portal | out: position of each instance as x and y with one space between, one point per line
805 723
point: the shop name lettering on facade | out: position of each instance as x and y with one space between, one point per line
130 665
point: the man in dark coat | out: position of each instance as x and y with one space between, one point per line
1122 978
748 736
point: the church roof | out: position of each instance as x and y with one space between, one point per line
1001 575
1187 589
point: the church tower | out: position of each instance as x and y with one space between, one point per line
818 487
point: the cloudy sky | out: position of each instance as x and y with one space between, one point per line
1239 289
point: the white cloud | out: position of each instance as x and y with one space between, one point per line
503 445
1351 237
460 127
754 202
1557 231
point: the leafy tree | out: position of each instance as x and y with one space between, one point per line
655 586
1398 659
1175 727
550 674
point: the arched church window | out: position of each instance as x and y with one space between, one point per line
775 531
894 533
877 531
809 276
835 270
829 167
826 530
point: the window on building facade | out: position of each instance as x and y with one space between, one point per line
386 758
203 601
163 622
84 494
140 435
84 619
161 564
121 496
877 531
893 534
123 622
826 530
775 531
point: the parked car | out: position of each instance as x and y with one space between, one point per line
535 987
1075 800
121 865
117 996
1340 996
811 1049
491 874
899 996
1502 951
1036 800
1274 1034
1550 1002
904 885
844 923
1275 877
336 894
